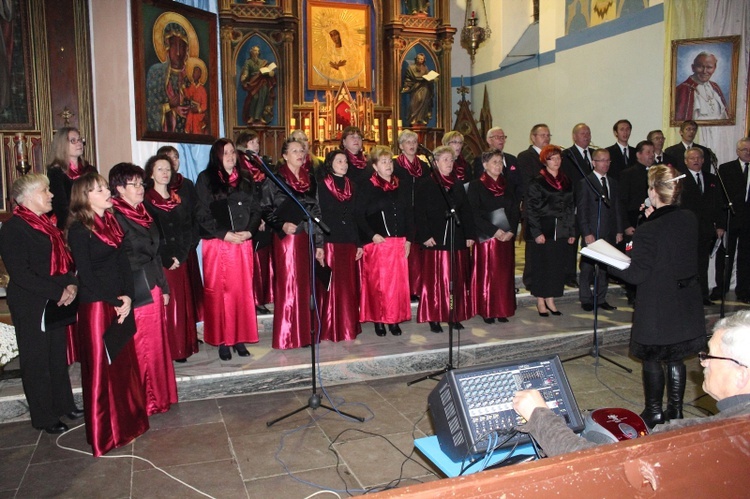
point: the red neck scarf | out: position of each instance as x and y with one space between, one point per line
234 177
414 168
252 163
496 187
358 161
459 168
382 183
155 198
138 215
308 166
108 230
301 184
445 181
61 261
76 169
341 195
177 180
559 183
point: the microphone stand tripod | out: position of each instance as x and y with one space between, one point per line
314 401
453 221
727 271
601 199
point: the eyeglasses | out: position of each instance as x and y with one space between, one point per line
76 140
704 356
603 160
459 142
137 185
499 137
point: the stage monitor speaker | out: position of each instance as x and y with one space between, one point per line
470 405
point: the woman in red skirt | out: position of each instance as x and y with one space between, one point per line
496 216
433 230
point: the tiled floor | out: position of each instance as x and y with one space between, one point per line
224 448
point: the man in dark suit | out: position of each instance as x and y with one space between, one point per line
496 140
701 195
633 192
688 131
735 175
621 154
528 160
609 228
660 157
576 164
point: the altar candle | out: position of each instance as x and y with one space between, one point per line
20 148
293 123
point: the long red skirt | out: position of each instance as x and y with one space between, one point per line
493 282
263 276
196 284
434 299
385 282
113 394
180 312
229 301
339 304
154 358
71 344
415 270
292 318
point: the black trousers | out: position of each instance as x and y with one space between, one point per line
586 282
739 242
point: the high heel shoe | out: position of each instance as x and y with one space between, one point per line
435 327
542 314
555 312
225 353
241 350
394 329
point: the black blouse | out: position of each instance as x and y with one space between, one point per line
483 203
175 231
278 208
549 211
387 213
222 208
430 209
339 215
141 245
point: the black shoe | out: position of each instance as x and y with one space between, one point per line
435 327
56 428
588 307
676 377
181 361
75 414
555 312
241 350
571 283
394 329
715 295
606 306
414 299
225 353
262 310
380 329
490 320
707 302
458 326
653 390
502 319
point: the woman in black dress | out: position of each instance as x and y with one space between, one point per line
668 323
175 222
65 164
41 277
340 301
550 230
433 231
386 228
351 144
496 217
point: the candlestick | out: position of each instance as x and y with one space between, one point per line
22 165
293 123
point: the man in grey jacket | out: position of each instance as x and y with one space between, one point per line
726 371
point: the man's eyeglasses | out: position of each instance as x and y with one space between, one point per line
704 356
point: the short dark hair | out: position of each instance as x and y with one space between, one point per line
639 147
350 130
488 155
685 123
328 163
121 174
619 122
149 170
246 136
652 133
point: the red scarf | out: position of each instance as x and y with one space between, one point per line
61 262
234 178
382 183
559 183
108 230
138 215
153 197
301 184
344 195
77 169
496 187
251 162
414 168
177 180
308 166
459 168
445 181
357 161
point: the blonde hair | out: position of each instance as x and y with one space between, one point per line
58 151
450 136
407 134
25 184
378 152
663 180
441 150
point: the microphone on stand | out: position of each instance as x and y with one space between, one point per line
424 150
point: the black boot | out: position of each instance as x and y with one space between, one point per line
676 374
653 390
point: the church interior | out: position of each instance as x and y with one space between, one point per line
384 66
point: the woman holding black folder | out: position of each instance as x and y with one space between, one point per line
229 217
292 317
41 277
496 217
113 393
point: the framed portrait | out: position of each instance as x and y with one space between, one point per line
704 80
338 46
16 87
176 72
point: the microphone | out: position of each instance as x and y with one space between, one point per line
424 150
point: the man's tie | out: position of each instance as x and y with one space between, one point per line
747 194
625 153
658 159
605 189
698 179
586 157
